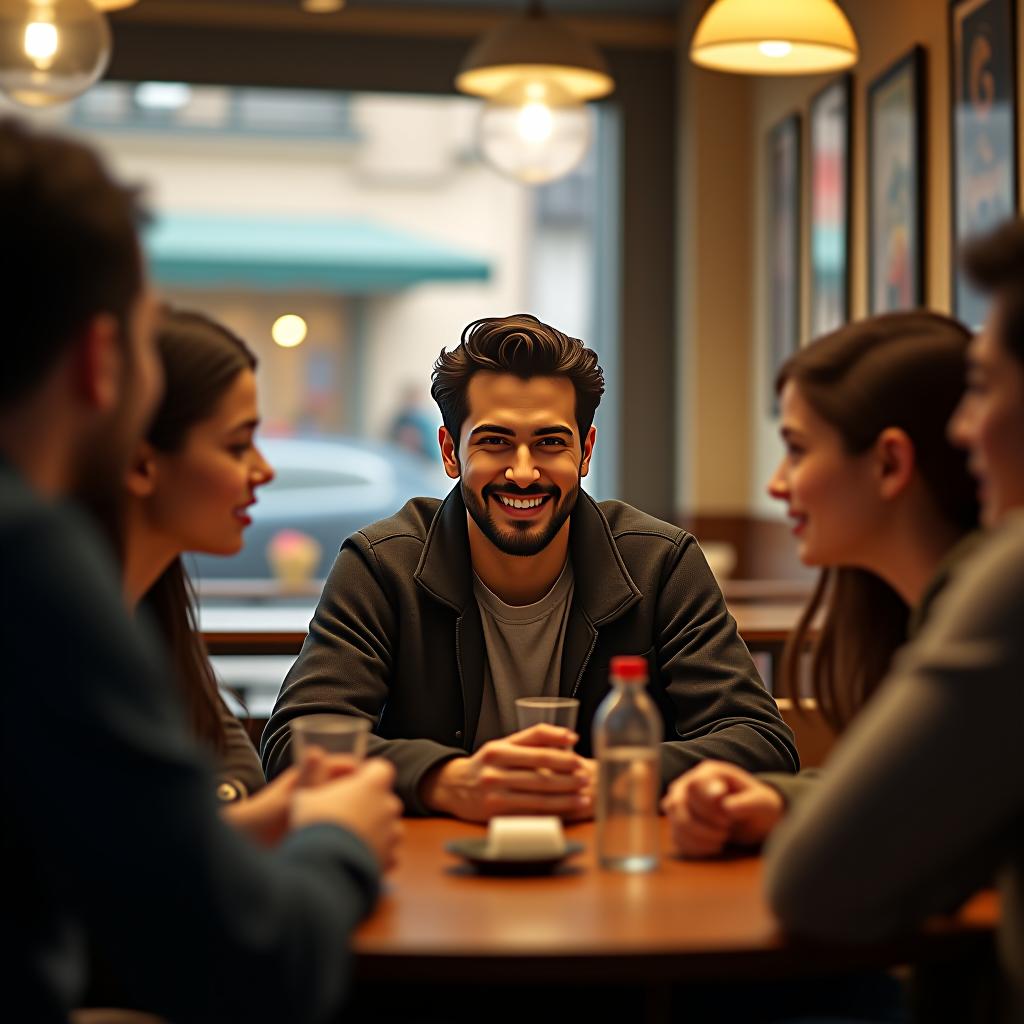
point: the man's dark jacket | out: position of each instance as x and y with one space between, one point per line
397 639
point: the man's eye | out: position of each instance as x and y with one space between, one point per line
550 442
493 441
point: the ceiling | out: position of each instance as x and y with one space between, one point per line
637 24
564 7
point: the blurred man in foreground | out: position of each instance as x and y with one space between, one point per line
112 839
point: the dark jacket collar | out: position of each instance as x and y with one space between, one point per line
603 587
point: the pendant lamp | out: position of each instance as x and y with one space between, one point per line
774 37
536 74
51 50
114 5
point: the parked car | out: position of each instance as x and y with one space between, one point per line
324 489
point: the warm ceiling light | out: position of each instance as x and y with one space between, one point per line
534 47
536 74
755 37
51 50
289 330
113 5
322 6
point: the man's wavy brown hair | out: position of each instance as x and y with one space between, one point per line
522 345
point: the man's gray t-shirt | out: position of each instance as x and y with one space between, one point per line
523 645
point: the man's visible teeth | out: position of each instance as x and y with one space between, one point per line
520 502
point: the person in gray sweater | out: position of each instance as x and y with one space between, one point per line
923 800
881 500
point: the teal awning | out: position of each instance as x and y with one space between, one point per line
218 251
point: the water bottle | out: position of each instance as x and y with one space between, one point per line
627 734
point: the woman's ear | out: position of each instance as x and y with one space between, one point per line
141 477
896 461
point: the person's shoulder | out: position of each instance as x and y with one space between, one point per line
412 522
39 538
60 574
989 583
625 520
997 556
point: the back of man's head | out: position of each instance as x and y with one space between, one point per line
521 345
72 252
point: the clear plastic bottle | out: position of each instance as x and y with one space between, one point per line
627 734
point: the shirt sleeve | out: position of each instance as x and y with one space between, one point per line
111 803
716 701
792 788
239 771
922 796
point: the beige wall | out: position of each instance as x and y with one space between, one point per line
886 30
715 285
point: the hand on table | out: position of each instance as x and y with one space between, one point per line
530 772
716 804
362 801
588 766
264 817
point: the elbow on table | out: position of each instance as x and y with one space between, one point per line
818 904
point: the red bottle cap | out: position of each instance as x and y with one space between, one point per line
628 666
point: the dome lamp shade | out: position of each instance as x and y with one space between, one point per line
774 37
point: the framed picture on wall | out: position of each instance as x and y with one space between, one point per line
896 164
830 205
783 246
983 131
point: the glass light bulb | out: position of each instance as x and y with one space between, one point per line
51 50
534 131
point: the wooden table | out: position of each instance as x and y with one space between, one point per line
440 923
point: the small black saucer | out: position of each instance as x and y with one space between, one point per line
475 851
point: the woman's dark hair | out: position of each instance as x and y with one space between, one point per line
201 359
995 264
903 370
522 345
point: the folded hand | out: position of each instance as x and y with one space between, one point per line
530 772
716 804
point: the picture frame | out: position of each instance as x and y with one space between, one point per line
896 185
782 251
983 131
831 144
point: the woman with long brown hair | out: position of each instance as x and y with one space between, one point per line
881 500
189 489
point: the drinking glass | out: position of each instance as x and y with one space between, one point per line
333 734
559 711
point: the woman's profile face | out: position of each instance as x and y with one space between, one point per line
989 423
830 495
203 491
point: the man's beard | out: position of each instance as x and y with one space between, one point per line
101 467
524 538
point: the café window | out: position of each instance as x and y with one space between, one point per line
371 225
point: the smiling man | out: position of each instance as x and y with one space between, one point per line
434 621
